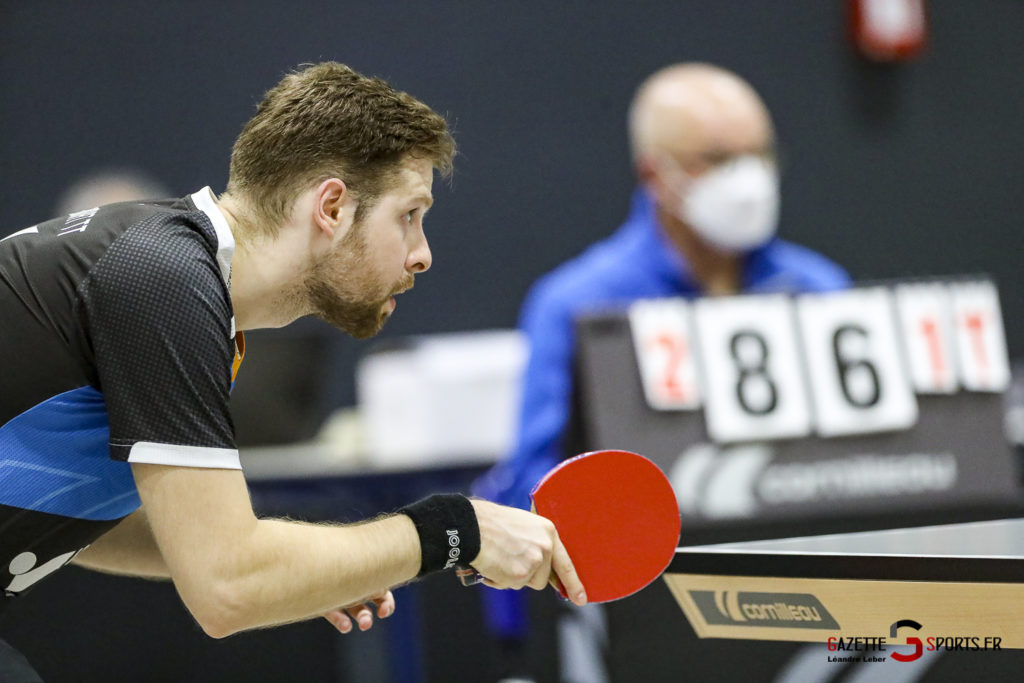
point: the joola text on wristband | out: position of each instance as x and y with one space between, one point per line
449 535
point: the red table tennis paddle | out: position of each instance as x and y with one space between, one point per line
617 516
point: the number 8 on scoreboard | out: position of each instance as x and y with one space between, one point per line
753 381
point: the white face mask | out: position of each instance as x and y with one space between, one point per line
734 206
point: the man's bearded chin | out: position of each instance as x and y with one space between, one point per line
336 305
359 319
337 295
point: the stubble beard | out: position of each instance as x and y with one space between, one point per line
338 284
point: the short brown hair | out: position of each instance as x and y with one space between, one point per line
328 120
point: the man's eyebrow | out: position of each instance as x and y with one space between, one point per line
717 155
425 199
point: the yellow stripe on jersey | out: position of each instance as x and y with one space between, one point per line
239 354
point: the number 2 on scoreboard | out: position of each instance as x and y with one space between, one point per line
662 340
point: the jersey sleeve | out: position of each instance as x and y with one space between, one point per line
158 317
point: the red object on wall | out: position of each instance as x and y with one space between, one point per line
889 30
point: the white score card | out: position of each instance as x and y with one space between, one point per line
663 339
753 381
854 361
926 322
981 344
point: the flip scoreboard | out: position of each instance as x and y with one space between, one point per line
778 406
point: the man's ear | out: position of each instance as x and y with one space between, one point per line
654 176
646 171
330 204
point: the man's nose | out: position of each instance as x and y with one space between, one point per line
420 257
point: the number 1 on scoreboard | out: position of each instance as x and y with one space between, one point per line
981 344
927 327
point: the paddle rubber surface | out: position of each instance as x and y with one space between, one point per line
616 514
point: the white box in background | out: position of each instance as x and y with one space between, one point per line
445 399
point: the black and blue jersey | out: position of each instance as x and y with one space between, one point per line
117 345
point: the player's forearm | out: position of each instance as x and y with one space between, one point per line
128 549
286 571
236 572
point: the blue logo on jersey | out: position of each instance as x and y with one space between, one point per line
54 458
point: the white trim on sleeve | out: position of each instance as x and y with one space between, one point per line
152 453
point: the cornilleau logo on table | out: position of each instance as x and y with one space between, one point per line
774 610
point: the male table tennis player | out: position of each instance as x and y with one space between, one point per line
121 334
703 221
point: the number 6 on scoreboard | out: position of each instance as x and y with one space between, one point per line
856 371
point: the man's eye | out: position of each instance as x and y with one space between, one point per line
409 215
717 158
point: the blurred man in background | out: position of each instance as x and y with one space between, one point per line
108 186
703 222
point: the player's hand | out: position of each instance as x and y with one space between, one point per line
362 613
519 548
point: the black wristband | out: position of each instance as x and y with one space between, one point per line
449 535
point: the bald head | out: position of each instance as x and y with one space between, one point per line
699 114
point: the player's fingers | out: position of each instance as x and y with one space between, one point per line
339 620
564 571
385 604
362 615
556 583
540 580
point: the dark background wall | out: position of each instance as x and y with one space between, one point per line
894 171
